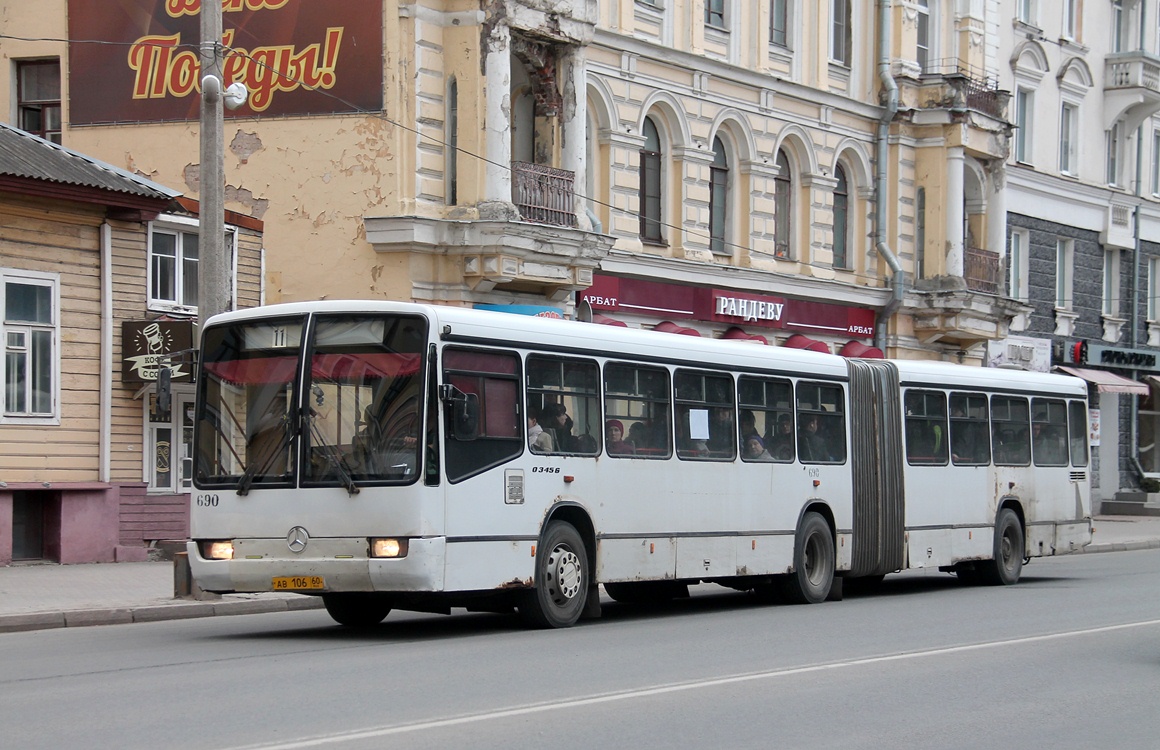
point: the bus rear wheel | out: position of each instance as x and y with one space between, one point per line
813 562
357 610
561 584
1007 564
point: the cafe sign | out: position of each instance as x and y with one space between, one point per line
148 345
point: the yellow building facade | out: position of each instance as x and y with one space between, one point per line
831 169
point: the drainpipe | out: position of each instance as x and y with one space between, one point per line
105 399
1133 429
882 152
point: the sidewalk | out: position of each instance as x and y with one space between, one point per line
35 597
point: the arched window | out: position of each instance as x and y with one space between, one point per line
650 184
452 153
841 220
781 205
718 197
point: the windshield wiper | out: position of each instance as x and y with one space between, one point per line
255 468
335 459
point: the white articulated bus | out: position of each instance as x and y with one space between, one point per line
392 455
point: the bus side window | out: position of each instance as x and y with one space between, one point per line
493 377
1078 430
564 397
1010 418
970 438
639 398
766 410
1048 432
821 415
926 428
705 421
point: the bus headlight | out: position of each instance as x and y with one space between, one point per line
381 547
217 550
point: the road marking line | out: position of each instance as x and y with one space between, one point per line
535 708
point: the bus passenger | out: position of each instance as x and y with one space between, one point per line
721 432
1047 445
638 435
614 434
555 419
781 442
811 445
538 440
755 449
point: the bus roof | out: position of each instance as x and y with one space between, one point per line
466 325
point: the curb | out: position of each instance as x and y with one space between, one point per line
1122 546
177 610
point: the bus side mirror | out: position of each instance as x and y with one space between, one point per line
464 411
465 420
164 394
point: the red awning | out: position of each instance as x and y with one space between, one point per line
798 341
1107 382
858 349
736 334
607 321
668 326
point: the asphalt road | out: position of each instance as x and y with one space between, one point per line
1069 658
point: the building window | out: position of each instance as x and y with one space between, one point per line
452 166
171 445
840 31
38 98
1063 260
841 219
1115 136
1156 162
1111 304
1071 19
1119 22
920 234
1023 102
31 331
922 51
779 22
173 268
718 198
715 13
650 185
1025 11
782 207
1154 289
1019 280
1067 138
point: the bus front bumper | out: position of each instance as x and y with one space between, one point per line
327 565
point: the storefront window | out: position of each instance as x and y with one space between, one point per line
1149 429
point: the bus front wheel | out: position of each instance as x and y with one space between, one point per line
813 562
356 610
561 585
1007 564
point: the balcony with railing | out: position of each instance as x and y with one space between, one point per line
543 195
1131 87
981 270
965 87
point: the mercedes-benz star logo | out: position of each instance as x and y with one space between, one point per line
297 539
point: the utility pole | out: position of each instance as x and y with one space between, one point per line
213 291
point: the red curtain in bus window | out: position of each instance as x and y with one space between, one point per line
668 326
254 371
363 366
798 341
736 334
858 349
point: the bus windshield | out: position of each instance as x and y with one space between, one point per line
355 417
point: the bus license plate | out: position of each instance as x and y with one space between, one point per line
294 583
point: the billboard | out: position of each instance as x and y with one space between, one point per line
138 60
